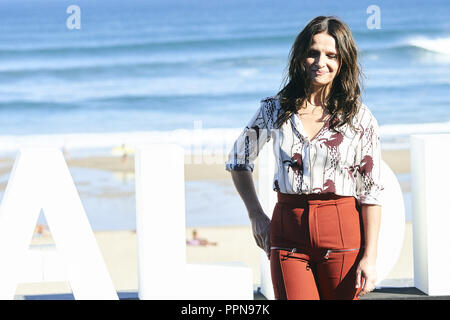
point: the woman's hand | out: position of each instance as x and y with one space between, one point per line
367 270
243 181
371 215
261 231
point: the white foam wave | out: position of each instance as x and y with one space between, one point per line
197 140
439 45
193 141
397 136
392 130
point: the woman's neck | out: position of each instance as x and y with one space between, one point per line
317 96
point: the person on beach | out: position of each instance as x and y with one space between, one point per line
196 241
322 239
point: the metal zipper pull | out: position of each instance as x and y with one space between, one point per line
294 250
327 254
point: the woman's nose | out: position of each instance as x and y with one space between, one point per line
320 62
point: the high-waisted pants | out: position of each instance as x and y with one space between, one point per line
316 245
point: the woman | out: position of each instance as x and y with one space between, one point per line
322 240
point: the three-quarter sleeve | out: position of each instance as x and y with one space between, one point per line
369 185
247 146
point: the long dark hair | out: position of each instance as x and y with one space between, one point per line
344 96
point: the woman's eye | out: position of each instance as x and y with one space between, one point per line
313 53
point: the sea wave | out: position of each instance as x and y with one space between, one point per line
254 50
197 140
125 45
438 45
392 130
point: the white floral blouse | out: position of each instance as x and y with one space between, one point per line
345 162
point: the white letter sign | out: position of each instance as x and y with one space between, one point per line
40 179
161 233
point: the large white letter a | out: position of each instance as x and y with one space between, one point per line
40 179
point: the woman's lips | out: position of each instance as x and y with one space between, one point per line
319 72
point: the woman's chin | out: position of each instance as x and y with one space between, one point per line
319 83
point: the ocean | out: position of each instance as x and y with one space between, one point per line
143 70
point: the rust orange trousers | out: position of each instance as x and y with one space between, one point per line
316 242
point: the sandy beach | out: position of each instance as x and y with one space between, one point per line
233 243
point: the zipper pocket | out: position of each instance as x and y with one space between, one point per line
327 254
291 250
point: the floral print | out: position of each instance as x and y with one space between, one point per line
342 161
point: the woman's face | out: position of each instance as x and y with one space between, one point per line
322 60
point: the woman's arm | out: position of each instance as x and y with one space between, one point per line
369 187
241 163
243 181
371 215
